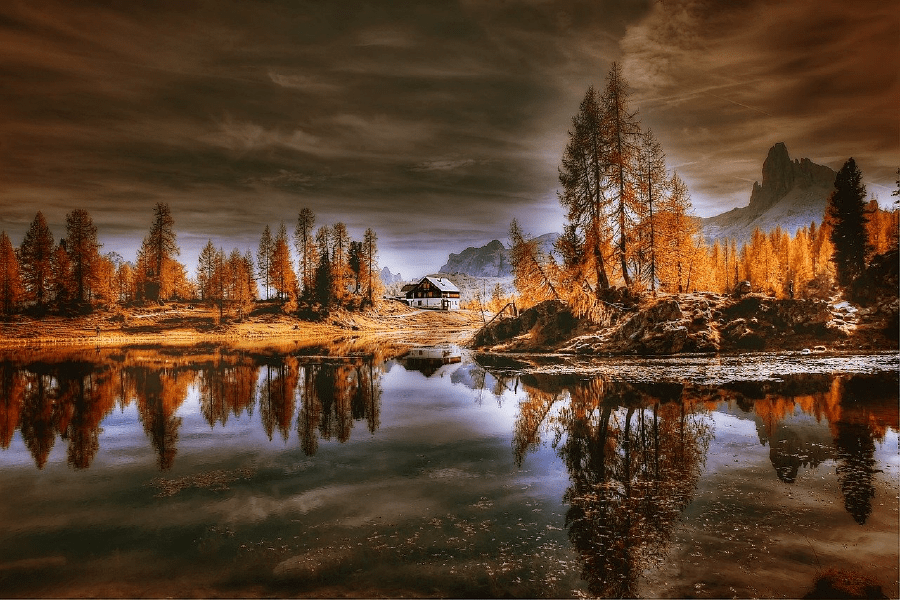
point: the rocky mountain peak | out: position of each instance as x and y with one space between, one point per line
793 193
777 176
780 175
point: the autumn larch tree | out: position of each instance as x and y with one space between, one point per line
306 249
83 249
531 271
241 288
846 215
10 279
281 270
206 272
653 181
36 258
61 282
581 175
355 263
623 130
677 236
323 274
103 287
340 245
125 282
572 271
370 263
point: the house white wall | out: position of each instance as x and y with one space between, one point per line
441 303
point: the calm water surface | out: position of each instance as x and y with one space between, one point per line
335 472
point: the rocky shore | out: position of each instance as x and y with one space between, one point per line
696 323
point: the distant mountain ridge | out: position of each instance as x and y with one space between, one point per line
388 278
792 194
490 260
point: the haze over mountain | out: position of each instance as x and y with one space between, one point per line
793 194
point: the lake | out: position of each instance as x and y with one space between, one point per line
346 470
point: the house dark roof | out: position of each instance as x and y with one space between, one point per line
441 283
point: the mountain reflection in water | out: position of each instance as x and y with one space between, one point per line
57 394
635 451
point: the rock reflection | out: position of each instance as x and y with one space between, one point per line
635 451
68 395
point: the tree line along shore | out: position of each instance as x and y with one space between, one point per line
71 277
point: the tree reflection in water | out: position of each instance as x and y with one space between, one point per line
635 452
858 410
69 394
159 392
634 456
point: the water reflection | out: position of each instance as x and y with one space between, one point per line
634 458
428 359
635 452
67 396
849 415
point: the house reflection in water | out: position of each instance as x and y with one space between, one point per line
428 359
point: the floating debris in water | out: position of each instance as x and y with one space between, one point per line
213 480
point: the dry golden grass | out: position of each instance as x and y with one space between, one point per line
180 324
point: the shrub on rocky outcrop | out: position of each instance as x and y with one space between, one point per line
548 322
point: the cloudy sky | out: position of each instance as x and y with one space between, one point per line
435 123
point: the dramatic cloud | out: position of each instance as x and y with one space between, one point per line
721 83
433 123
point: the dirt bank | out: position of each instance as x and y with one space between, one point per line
699 322
189 324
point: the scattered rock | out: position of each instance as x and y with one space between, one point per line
697 323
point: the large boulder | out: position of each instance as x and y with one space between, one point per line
654 330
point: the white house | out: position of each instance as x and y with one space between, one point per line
434 292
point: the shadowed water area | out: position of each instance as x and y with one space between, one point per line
348 470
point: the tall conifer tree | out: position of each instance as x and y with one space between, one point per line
264 258
306 248
846 213
370 261
623 130
582 176
36 260
281 271
159 250
83 250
